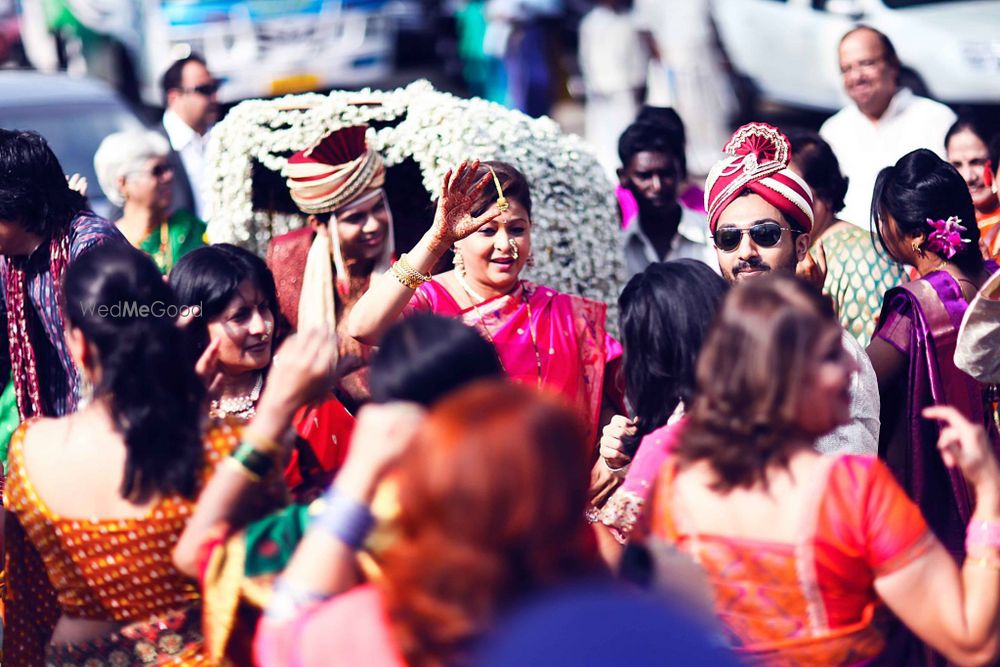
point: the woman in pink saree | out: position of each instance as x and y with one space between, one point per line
544 338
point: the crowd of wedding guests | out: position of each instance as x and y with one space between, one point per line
350 454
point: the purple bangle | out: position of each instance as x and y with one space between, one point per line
983 534
344 518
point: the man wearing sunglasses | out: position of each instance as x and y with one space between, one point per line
760 214
189 92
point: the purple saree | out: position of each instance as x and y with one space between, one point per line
921 320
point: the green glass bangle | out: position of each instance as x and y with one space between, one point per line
253 459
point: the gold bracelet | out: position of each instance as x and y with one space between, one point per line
985 561
262 443
408 276
239 467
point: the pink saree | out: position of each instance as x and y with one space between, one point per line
573 346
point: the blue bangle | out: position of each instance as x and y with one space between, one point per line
344 518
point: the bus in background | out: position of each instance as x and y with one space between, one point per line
258 48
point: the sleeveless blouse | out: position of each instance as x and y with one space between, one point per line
117 569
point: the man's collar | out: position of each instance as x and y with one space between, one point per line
180 133
900 101
693 227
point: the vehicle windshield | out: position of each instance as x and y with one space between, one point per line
73 131
903 4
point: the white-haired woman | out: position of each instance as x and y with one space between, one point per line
135 173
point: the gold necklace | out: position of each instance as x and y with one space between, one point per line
163 256
489 336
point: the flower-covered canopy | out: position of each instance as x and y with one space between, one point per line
574 213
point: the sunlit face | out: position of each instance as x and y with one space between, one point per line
825 397
151 186
652 177
363 227
197 101
749 259
869 78
245 331
970 156
489 258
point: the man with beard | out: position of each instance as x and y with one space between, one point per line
760 214
189 91
653 168
885 121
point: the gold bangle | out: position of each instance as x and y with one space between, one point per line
239 467
408 276
985 561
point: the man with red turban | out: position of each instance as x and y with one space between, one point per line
760 215
321 270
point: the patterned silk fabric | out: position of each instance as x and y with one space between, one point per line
107 569
810 602
858 276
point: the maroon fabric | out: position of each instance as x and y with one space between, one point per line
286 257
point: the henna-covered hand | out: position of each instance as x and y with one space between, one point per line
453 220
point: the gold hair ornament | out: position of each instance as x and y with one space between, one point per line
502 203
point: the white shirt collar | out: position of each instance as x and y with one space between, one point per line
180 133
897 105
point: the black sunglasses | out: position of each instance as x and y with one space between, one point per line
764 234
206 89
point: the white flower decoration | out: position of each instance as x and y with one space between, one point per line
575 216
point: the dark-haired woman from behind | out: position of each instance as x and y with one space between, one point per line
96 500
664 313
804 551
235 334
857 274
924 217
421 359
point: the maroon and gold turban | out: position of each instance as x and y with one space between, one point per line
334 172
757 160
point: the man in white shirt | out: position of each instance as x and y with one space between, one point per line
189 91
884 123
613 64
653 167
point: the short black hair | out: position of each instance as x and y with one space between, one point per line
818 165
424 357
210 277
33 188
664 315
657 130
171 79
888 50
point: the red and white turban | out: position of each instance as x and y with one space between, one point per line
756 159
334 172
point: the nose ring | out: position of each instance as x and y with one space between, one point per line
513 249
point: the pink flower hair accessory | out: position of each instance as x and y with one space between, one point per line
946 239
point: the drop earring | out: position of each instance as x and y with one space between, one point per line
457 260
85 392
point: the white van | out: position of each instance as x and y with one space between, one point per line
787 49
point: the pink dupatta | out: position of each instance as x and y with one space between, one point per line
573 345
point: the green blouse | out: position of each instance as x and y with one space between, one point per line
185 232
